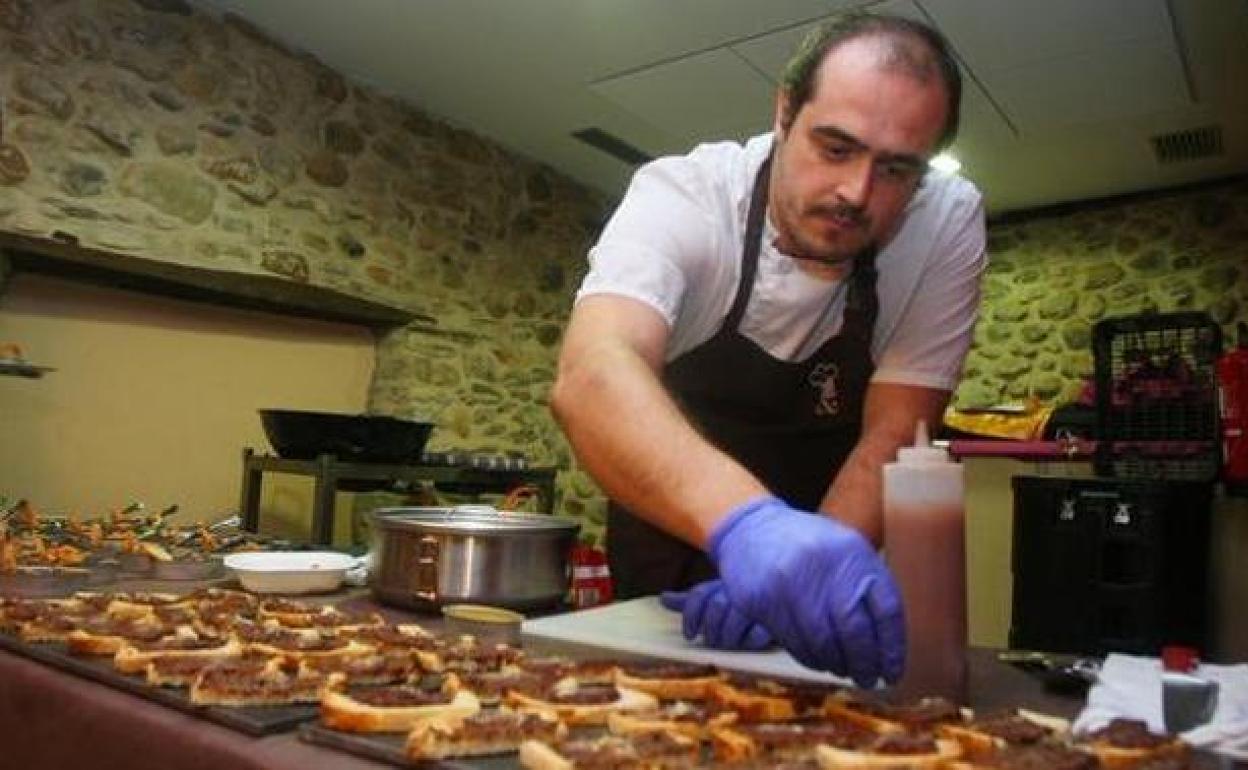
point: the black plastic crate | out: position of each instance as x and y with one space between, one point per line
1110 565
1157 396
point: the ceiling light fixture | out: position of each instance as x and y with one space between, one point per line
945 163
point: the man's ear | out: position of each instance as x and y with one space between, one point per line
781 120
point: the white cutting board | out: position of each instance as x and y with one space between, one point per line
645 627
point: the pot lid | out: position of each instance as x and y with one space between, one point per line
470 518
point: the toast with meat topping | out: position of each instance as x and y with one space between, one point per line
226 685
485 733
106 635
1127 743
768 700
668 680
651 751
790 739
393 708
576 703
134 655
893 751
986 735
924 714
1039 756
183 671
692 720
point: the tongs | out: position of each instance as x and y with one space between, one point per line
1064 678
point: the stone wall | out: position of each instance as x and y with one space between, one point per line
154 129
1052 276
151 128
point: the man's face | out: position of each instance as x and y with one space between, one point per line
854 154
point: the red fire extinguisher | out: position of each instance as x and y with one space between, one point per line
1233 407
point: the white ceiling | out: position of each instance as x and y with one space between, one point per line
1061 96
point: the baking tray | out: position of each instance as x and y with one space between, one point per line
39 582
252 720
387 747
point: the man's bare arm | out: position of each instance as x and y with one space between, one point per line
627 431
889 418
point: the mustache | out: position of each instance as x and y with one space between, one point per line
853 214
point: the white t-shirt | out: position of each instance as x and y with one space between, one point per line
675 243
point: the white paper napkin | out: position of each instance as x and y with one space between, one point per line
1130 686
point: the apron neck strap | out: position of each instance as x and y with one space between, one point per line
753 240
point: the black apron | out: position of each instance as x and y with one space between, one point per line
791 423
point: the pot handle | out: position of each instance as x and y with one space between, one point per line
427 569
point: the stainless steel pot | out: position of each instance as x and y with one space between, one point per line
427 557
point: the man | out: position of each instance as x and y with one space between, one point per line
761 327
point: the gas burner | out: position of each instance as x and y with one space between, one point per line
478 461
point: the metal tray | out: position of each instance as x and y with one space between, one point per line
204 569
252 720
44 582
47 582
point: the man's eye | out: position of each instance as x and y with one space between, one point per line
837 151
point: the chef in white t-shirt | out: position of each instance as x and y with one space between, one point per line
761 327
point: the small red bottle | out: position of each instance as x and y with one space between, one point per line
591 578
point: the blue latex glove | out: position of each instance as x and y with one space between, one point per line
817 585
705 611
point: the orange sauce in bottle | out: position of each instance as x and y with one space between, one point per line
925 547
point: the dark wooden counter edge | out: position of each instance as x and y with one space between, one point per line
65 258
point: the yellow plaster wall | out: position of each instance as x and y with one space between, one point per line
154 399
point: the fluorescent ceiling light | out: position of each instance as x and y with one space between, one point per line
945 163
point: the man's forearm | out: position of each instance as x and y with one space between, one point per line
631 437
889 420
855 496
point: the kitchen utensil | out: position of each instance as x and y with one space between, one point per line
1071 677
290 572
429 557
300 435
1187 700
643 627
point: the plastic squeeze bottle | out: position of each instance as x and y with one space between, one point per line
925 547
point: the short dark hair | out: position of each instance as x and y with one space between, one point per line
799 75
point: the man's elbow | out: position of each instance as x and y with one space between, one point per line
560 399
572 383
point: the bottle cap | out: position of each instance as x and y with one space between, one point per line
1176 657
922 451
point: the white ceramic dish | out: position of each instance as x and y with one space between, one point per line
290 572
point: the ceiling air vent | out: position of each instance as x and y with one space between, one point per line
612 145
1191 144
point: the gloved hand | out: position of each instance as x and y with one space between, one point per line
817 585
706 612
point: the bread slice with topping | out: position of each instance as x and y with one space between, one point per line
498 731
393 708
576 703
